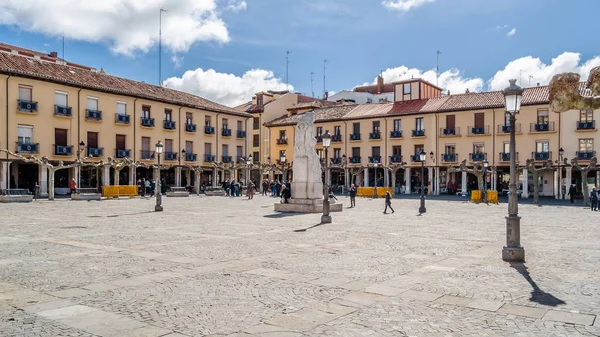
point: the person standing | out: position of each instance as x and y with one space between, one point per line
594 199
388 202
285 194
73 185
265 187
250 191
352 195
572 192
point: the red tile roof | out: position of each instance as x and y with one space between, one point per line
8 48
83 78
418 106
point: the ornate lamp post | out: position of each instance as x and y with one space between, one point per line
79 151
326 218
422 158
484 192
433 178
158 207
513 251
561 152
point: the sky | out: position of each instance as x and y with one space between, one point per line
227 50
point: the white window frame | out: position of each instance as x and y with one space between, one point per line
20 138
92 99
27 89
124 104
58 93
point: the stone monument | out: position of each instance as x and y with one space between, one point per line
307 186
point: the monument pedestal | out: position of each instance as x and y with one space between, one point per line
306 206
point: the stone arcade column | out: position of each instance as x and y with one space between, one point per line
178 176
386 178
407 179
106 175
214 177
569 177
556 185
366 178
430 181
188 176
132 180
463 184
524 181
4 166
43 180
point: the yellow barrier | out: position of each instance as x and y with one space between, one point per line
112 191
492 197
369 191
476 196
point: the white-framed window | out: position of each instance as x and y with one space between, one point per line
121 108
61 98
92 103
542 117
542 146
25 93
25 134
586 116
586 145
420 124
479 148
406 88
506 147
397 125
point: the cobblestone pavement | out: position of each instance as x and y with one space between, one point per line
217 266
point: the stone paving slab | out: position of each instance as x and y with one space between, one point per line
482 304
569 317
520 310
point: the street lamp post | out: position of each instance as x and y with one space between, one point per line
326 218
182 156
561 152
282 160
433 178
484 192
422 158
158 207
375 163
513 251
79 151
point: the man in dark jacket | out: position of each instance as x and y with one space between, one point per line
285 194
352 195
594 199
572 192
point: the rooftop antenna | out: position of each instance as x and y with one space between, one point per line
311 83
160 46
437 68
287 65
520 77
530 77
324 77
63 49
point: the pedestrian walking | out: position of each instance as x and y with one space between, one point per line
265 187
250 191
332 198
388 202
73 185
572 192
594 199
352 195
36 191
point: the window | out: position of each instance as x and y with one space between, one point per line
406 88
282 134
207 148
255 156
337 153
419 124
225 123
189 146
356 128
586 145
479 119
60 137
92 103
319 131
145 144
189 119
397 151
418 149
586 116
256 122
542 146
239 151
25 134
145 111
168 145
240 126
259 100
282 153
507 119
255 139
207 120
542 117
376 127
120 141
506 147
479 148
450 149
24 93
225 150
168 115
356 152
320 153
92 140
121 108
376 151
60 98
397 125
337 130
450 121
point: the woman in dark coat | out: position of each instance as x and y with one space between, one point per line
388 202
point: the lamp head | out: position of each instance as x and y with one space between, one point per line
422 155
81 146
326 139
159 147
512 97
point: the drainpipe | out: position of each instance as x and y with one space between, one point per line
181 126
217 146
7 169
438 166
78 119
134 139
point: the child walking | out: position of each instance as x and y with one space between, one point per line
388 202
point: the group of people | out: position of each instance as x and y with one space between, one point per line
148 186
232 188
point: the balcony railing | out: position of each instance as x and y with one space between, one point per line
545 127
190 127
395 159
28 148
191 157
63 111
585 155
355 136
337 160
477 156
415 158
168 125
375 135
541 155
226 132
375 159
170 155
281 141
146 155
255 143
27 106
93 115
95 152
354 160
120 153
336 138
209 158
591 125
241 134
226 159
479 130
449 132
147 122
395 134
209 130
506 128
256 126
449 157
122 119
418 133
319 139
505 156
63 150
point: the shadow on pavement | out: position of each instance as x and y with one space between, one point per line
280 215
305 229
537 294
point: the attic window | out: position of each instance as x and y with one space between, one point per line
71 71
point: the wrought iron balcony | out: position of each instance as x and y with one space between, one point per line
541 155
190 127
319 139
415 158
480 130
506 128
170 155
191 157
63 150
209 158
95 152
93 115
395 134
255 143
395 159
241 134
449 157
505 156
27 106
375 159
478 156
122 119
355 136
168 125
354 160
585 155
280 141
63 111
449 132
337 160
375 135
147 122
209 130
418 133
28 148
544 127
146 155
591 125
121 153
226 132
226 159
336 138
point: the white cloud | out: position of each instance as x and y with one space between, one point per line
129 26
177 60
404 5
511 32
227 89
236 6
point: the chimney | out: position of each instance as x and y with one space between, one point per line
538 84
379 84
448 92
326 96
467 91
54 54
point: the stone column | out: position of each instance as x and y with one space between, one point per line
386 178
106 176
188 176
214 177
430 181
525 193
5 178
568 177
43 180
463 184
366 178
132 180
346 177
178 176
407 178
556 187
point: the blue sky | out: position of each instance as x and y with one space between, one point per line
360 38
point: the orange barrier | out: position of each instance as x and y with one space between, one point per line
112 191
